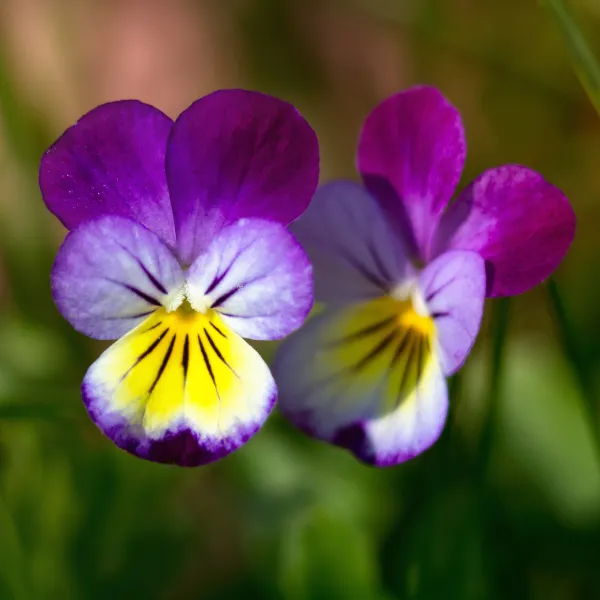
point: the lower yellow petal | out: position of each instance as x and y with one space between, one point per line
181 388
366 377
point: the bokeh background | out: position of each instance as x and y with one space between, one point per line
506 505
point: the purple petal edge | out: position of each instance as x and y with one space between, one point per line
182 447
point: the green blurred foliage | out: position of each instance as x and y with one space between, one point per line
516 516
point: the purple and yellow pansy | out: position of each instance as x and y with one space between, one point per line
178 249
403 274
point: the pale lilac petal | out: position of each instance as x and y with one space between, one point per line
257 277
111 162
353 378
354 252
236 154
110 274
521 224
453 288
411 154
181 388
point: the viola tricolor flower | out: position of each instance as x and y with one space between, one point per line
178 247
403 276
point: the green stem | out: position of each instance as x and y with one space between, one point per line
501 315
584 62
573 355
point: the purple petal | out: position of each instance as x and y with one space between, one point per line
521 224
355 378
237 154
181 388
257 277
411 154
453 287
111 273
111 162
354 252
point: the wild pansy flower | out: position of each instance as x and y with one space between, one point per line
178 247
403 276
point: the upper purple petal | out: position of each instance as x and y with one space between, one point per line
411 154
236 154
453 288
110 274
111 162
355 254
257 277
518 222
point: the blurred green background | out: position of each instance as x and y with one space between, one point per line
506 505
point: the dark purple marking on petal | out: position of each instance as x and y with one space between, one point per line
227 295
381 267
218 352
163 365
208 366
262 259
217 329
431 295
224 297
356 254
440 314
185 359
374 353
362 269
100 280
137 292
361 333
153 327
155 282
458 278
219 278
136 316
148 351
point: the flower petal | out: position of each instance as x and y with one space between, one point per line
359 379
111 273
521 224
257 277
453 287
237 154
181 388
411 154
111 162
354 252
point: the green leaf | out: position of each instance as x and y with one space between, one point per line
501 318
441 554
324 557
546 431
584 62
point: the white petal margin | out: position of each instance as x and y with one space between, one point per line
257 277
453 287
352 379
354 252
111 273
181 388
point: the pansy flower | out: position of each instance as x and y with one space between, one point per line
403 275
178 248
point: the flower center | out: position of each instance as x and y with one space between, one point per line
410 317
